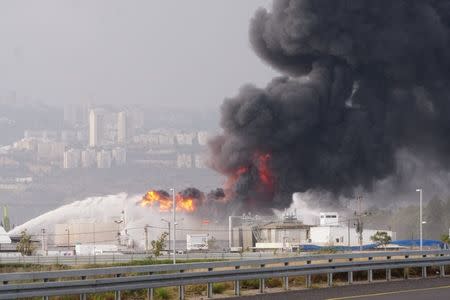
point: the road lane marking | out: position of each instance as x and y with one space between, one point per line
391 293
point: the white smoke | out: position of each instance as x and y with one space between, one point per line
112 208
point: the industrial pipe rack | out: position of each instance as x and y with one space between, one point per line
117 279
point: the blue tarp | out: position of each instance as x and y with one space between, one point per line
425 243
402 243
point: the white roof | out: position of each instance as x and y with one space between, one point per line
4 237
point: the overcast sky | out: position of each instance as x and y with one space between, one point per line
173 52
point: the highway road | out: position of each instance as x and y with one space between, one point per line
412 289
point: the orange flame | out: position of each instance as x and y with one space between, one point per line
164 202
265 175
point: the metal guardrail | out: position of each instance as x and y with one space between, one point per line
70 282
79 260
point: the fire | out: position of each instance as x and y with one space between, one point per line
163 201
265 175
185 204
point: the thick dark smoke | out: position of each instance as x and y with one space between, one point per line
164 194
363 80
216 195
193 193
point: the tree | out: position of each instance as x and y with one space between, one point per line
381 238
159 245
25 245
445 238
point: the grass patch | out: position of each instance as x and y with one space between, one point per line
250 284
219 288
162 294
274 282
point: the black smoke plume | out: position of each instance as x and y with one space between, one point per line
362 80
193 193
216 195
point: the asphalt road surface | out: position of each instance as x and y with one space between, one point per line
412 289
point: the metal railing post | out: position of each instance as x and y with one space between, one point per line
330 276
350 274
209 287
150 290
388 271
262 282
442 271
286 279
330 279
424 269
308 277
83 296
370 275
45 297
237 285
406 273
424 272
117 294
406 270
181 289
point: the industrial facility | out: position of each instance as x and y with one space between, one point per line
287 233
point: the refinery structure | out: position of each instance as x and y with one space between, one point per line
195 230
290 233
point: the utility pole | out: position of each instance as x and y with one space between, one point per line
359 222
146 238
68 238
348 233
43 241
94 238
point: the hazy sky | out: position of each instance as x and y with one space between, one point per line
173 52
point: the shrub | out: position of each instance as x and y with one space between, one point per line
162 293
274 282
219 288
250 284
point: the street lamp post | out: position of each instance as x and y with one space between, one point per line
420 218
174 208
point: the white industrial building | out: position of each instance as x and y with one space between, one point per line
342 236
333 232
289 233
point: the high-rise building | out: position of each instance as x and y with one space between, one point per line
104 159
6 222
199 161
88 158
122 127
95 128
71 159
119 156
184 160
202 138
